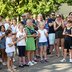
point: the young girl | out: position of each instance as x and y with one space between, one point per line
42 33
10 49
2 44
67 41
21 46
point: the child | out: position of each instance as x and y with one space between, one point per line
67 41
21 46
42 33
10 49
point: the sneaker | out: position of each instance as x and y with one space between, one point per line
34 62
46 60
30 63
42 61
21 66
63 60
71 60
14 67
37 56
4 63
13 60
25 65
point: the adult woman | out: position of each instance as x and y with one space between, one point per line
2 43
30 42
59 27
13 26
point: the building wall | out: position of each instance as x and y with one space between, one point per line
64 9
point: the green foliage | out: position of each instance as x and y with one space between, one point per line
12 8
69 2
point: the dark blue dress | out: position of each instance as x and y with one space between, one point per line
2 41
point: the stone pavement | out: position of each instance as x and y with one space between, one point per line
53 65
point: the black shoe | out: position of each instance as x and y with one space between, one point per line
48 53
21 66
46 60
26 65
37 57
0 68
42 61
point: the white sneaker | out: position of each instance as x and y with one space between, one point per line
14 67
63 60
30 63
34 62
13 60
4 63
71 60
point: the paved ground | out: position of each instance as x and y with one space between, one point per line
53 65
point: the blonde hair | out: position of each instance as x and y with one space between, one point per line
41 24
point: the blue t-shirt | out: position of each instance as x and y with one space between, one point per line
24 22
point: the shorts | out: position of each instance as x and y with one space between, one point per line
59 34
67 44
21 50
52 38
10 54
43 44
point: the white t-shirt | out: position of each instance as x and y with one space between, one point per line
9 49
2 33
42 37
13 28
6 26
21 42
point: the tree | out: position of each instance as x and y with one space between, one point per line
12 8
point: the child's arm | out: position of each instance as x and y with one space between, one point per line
71 33
38 34
10 44
19 39
64 32
46 33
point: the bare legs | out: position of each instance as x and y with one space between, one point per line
30 55
43 52
57 47
62 46
51 49
58 43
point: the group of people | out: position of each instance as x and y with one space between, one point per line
34 37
